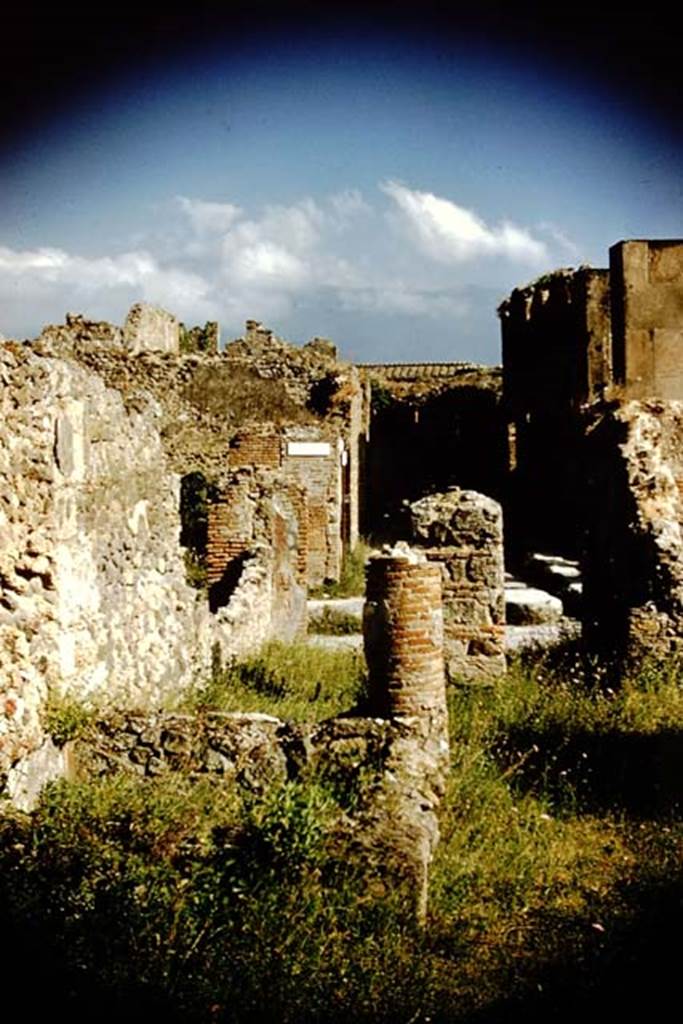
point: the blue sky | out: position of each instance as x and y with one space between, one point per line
382 188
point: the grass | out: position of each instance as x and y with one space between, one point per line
332 622
295 681
556 889
65 719
351 582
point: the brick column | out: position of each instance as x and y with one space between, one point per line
403 631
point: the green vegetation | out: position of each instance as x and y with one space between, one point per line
294 681
380 397
196 493
333 622
65 719
556 889
351 581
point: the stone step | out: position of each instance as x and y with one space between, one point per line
530 606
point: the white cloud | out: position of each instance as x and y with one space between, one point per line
264 262
208 218
342 254
402 299
561 239
50 281
450 233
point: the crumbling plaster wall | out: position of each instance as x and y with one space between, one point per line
633 548
94 604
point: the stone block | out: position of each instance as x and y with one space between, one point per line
151 329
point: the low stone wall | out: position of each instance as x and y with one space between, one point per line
633 546
393 767
462 532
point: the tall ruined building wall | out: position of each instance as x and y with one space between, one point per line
633 555
94 602
462 532
93 598
647 305
556 358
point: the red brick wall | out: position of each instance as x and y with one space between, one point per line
260 449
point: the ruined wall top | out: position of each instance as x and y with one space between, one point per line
415 382
207 395
150 329
558 285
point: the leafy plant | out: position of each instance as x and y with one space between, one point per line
351 582
65 718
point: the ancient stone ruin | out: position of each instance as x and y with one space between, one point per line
593 382
165 502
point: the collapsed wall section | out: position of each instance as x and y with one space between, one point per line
393 767
235 402
462 533
633 547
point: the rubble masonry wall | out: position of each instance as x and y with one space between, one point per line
633 549
94 603
461 532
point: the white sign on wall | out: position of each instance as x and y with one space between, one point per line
308 448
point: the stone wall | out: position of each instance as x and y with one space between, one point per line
94 603
462 533
150 329
647 305
212 404
430 424
395 765
633 547
556 358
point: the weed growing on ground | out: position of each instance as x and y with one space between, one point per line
335 623
351 582
554 877
294 681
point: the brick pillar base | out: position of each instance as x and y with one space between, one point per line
403 631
